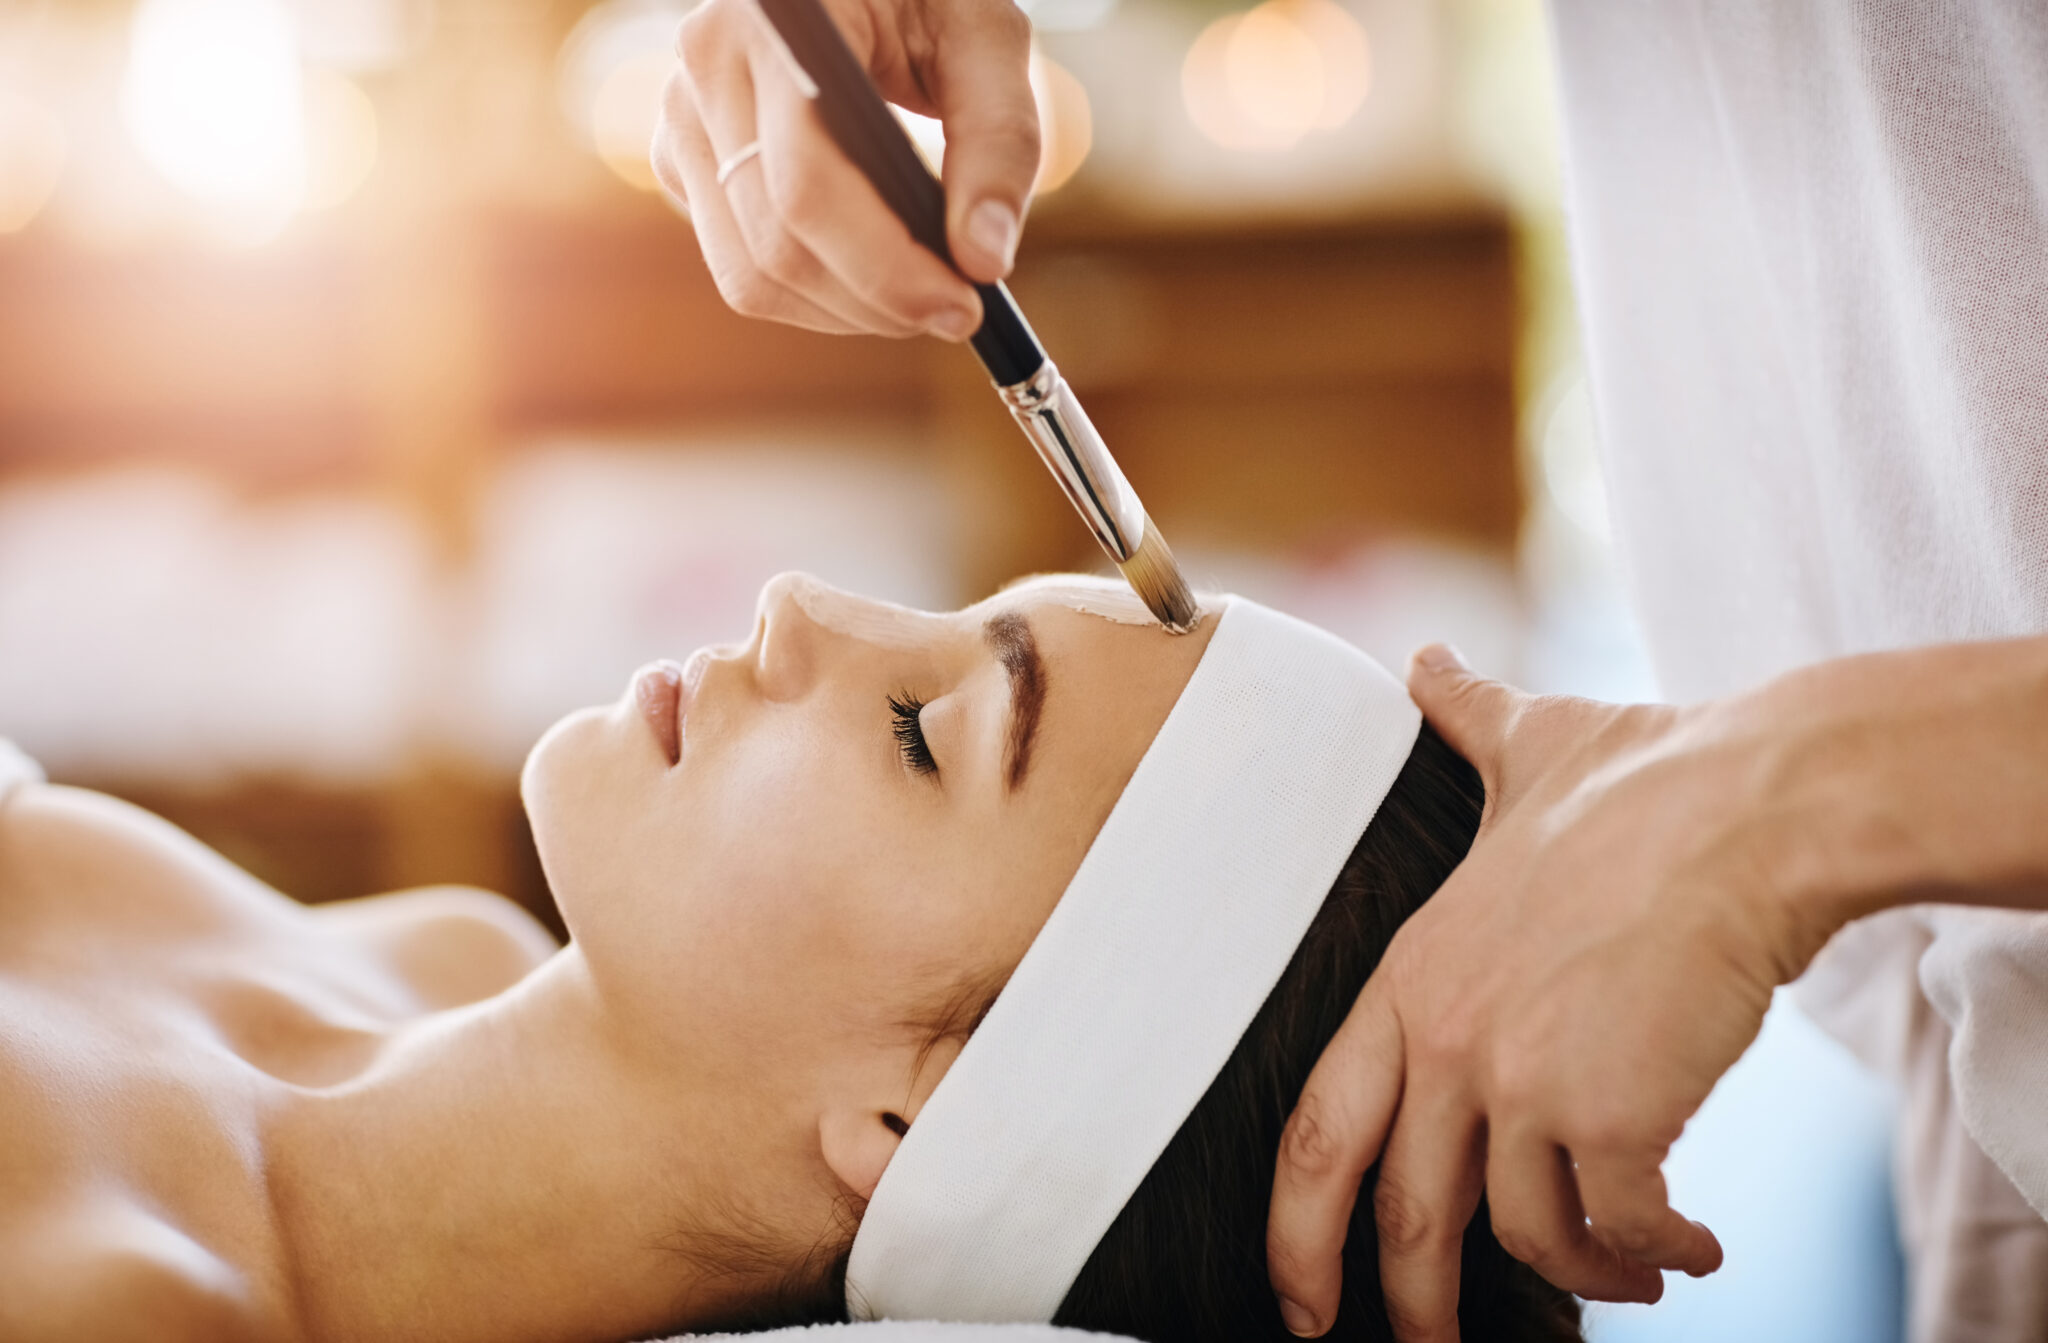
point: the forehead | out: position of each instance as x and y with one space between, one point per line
1110 599
1095 632
1109 684
1111 671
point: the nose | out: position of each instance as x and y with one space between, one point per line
793 642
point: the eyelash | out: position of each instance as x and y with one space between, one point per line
910 740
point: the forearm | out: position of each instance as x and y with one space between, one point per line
1904 777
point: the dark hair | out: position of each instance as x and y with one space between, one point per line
1185 1261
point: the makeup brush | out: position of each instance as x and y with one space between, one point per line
1044 406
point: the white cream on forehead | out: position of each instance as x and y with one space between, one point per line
1107 598
887 625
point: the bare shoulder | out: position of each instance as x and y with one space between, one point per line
453 944
104 1269
46 828
63 849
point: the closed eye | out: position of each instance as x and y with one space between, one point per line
909 730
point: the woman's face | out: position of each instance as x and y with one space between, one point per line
792 857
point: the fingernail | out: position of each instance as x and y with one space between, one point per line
992 226
1441 658
1300 1320
953 324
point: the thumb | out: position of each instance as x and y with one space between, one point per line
1469 711
982 87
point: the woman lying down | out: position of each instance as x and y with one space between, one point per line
957 967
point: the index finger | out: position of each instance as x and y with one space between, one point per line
1331 1139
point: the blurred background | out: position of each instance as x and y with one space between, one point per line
363 406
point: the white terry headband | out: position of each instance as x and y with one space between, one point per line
1176 927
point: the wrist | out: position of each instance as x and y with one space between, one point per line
1828 828
1898 778
1784 844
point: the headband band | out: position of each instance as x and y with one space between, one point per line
1175 928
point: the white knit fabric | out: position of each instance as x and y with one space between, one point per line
1811 249
1179 921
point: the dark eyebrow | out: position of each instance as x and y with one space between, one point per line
1009 637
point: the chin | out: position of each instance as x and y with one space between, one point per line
560 783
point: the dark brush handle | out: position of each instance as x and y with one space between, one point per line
860 121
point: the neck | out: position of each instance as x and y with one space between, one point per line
508 1171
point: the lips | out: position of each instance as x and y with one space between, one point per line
658 692
663 691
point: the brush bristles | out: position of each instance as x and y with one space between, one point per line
1155 577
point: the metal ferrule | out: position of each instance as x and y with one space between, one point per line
1053 420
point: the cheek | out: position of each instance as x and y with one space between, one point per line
839 909
725 893
789 859
783 893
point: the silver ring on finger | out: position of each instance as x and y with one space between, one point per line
736 160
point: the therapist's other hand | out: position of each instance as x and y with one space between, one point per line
1545 1025
797 234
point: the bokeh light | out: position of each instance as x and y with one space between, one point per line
1274 75
212 97
1066 125
624 113
1264 78
361 35
1340 41
341 139
32 153
610 77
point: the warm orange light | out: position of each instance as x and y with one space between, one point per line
1346 57
1066 126
32 152
1273 75
625 112
341 139
611 73
1263 78
211 96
